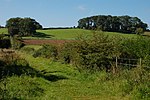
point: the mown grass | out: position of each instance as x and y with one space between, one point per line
68 34
75 33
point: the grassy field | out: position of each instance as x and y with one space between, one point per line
62 82
68 34
3 31
59 81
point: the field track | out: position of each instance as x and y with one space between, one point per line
41 42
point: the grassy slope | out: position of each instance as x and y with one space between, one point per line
65 33
62 82
69 34
3 30
74 33
74 85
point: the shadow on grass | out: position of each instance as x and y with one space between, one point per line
23 68
42 35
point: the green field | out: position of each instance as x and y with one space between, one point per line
3 31
74 33
62 82
68 34
58 81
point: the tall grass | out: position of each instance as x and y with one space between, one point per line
126 84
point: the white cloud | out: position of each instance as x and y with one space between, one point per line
82 8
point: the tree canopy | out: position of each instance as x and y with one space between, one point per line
110 23
22 26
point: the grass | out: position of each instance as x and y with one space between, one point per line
3 31
68 34
147 34
65 82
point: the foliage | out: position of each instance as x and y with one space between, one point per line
98 85
135 48
92 54
47 51
28 50
125 24
139 31
16 42
5 43
67 53
12 64
20 88
22 26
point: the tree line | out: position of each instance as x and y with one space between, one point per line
22 26
125 24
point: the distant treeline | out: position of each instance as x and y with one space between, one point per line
58 28
2 26
110 23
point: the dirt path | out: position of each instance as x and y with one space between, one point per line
41 42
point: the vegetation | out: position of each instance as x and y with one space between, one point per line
3 31
83 69
22 26
125 24
62 81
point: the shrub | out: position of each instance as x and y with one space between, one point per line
28 50
13 64
5 43
67 53
16 42
139 31
136 48
47 51
90 54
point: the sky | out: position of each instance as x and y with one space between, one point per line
66 13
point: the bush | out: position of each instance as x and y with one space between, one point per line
90 54
20 88
13 64
136 48
5 43
28 50
16 42
67 53
47 51
139 31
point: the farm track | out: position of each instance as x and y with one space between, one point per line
41 42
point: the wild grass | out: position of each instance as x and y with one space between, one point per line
64 82
59 81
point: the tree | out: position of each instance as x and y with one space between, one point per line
22 26
139 31
125 24
13 25
27 27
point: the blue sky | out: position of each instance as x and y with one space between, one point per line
57 13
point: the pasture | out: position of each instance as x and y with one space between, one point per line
69 34
59 81
3 31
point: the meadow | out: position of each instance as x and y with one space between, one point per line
68 34
47 79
